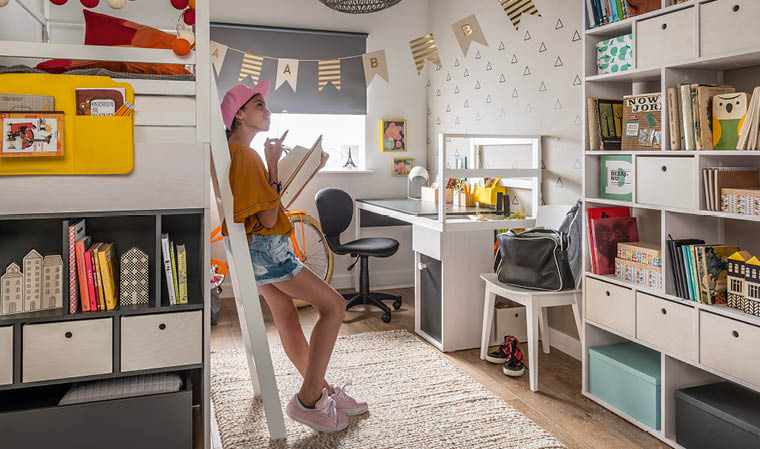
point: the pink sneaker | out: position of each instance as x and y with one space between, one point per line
323 417
345 403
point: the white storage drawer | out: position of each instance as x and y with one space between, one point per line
666 324
610 305
67 349
666 181
162 340
729 346
666 38
509 321
6 355
728 25
426 241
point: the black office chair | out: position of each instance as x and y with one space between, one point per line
336 208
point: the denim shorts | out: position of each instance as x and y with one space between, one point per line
272 259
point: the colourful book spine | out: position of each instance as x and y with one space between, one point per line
76 232
168 268
98 275
91 281
686 259
173 257
182 273
82 271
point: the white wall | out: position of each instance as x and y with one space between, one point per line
404 97
17 25
545 99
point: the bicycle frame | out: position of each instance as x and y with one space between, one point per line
301 256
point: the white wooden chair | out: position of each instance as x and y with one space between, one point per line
535 301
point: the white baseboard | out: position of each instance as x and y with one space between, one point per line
565 343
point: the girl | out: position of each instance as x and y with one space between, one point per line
280 275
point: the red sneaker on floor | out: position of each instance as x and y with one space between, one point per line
323 417
346 404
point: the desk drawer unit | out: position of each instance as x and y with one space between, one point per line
610 305
728 25
666 181
67 349
729 346
6 355
666 38
426 241
665 324
162 340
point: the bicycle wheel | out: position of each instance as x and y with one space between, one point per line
312 245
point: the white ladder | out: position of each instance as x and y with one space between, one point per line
243 281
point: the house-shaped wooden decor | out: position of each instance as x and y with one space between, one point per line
32 281
52 282
12 290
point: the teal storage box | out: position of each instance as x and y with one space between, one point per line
627 376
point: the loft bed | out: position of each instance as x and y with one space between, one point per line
170 181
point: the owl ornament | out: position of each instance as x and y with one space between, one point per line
729 111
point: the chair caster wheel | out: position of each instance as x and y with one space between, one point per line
397 304
386 317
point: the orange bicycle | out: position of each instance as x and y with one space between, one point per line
307 242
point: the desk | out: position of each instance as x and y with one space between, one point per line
449 259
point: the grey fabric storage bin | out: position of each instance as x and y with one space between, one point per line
721 415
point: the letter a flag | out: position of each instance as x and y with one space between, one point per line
287 71
218 51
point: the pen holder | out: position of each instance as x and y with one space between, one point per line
464 198
431 194
488 195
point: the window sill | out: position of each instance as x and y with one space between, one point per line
348 172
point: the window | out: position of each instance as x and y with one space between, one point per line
736 285
753 291
339 133
731 268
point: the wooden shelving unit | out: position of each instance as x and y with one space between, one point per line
622 315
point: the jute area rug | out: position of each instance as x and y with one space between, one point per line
417 399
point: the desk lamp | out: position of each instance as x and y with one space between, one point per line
417 175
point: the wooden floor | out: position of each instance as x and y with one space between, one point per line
558 407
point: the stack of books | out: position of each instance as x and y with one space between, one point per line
175 268
700 271
639 262
92 272
602 12
732 189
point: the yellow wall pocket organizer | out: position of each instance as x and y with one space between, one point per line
93 145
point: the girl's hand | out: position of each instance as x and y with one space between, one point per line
325 157
273 150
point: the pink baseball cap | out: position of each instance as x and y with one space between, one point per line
238 96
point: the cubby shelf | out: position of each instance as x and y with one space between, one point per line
57 315
675 197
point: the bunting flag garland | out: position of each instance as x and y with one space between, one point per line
329 72
251 67
218 52
375 64
287 71
516 8
424 49
468 30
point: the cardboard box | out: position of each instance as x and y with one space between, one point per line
615 55
431 194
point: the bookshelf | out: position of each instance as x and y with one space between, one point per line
698 343
44 353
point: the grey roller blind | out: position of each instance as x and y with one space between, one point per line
297 44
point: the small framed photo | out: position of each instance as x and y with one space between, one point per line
402 166
393 135
30 134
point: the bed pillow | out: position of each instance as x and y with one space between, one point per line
101 29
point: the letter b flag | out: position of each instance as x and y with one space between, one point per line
375 64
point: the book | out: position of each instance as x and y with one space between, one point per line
96 271
719 178
610 116
76 233
687 118
681 266
100 101
673 119
602 212
748 133
716 272
107 257
175 279
640 252
729 110
642 122
704 113
607 233
168 268
616 177
297 168
84 292
638 273
182 273
26 103
91 288
31 134
594 130
689 278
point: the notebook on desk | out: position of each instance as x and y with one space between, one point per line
297 168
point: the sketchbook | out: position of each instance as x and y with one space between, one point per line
297 168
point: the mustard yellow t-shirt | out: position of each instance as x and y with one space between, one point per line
252 193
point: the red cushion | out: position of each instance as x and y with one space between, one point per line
101 29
